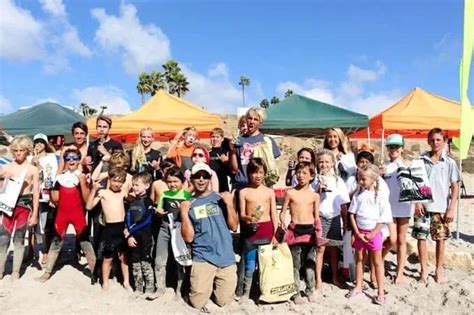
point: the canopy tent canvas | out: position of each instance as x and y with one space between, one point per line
413 116
303 116
165 114
49 118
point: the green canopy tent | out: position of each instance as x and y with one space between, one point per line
49 118
302 116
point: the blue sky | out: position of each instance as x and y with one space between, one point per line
361 55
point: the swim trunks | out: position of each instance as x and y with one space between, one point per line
113 239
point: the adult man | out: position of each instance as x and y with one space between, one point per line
434 218
246 145
79 133
206 222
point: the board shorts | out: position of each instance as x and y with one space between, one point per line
113 239
375 244
331 230
430 223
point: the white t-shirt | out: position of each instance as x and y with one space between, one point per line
399 209
331 201
370 210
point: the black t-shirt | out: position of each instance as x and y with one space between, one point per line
222 169
112 146
152 155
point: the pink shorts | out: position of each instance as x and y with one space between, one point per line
375 244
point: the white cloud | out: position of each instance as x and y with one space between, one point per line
350 93
20 34
219 70
110 96
5 105
215 93
141 46
53 7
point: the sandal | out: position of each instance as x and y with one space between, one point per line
379 300
352 293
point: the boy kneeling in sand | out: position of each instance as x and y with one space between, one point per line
113 211
303 203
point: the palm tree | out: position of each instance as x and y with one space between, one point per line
264 103
288 93
244 81
274 100
157 82
83 108
179 84
103 108
143 86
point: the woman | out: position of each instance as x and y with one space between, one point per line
201 155
143 158
336 141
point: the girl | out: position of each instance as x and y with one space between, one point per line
143 158
242 125
182 147
303 155
45 159
201 155
336 141
169 203
369 211
401 211
333 209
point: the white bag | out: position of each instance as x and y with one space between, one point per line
180 250
277 282
348 265
414 184
10 193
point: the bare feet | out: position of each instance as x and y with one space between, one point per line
399 280
319 285
15 276
105 286
312 297
423 278
45 277
127 287
440 278
298 300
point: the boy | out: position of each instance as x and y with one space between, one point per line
69 193
138 219
219 155
113 211
25 212
434 218
182 148
303 203
259 221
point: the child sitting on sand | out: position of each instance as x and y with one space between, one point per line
303 203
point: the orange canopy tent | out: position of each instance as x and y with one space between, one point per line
166 114
413 116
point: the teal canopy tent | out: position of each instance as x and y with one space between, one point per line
302 116
49 118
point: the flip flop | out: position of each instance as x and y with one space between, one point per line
351 294
379 301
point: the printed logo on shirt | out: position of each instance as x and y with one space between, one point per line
246 154
206 210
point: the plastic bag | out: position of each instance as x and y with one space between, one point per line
180 250
277 282
10 192
348 265
413 182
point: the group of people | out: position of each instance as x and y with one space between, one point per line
170 220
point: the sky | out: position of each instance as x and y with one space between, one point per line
360 55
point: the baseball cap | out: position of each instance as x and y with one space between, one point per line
201 167
40 136
395 139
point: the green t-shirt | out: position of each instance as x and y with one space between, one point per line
170 201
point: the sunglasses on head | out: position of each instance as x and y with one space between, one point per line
198 175
200 155
68 158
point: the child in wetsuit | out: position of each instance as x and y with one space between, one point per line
301 234
113 210
259 221
70 192
169 205
138 217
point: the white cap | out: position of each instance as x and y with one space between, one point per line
201 167
395 139
40 136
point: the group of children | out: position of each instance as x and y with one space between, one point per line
329 196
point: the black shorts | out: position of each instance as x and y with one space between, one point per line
113 239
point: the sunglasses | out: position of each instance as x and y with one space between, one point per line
68 158
200 175
199 155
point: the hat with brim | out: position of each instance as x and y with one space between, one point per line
198 167
395 139
40 136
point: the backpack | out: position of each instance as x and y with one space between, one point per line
264 150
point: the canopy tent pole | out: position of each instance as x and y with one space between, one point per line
368 134
459 200
382 145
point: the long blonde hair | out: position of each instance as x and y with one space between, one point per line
138 152
342 147
374 173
